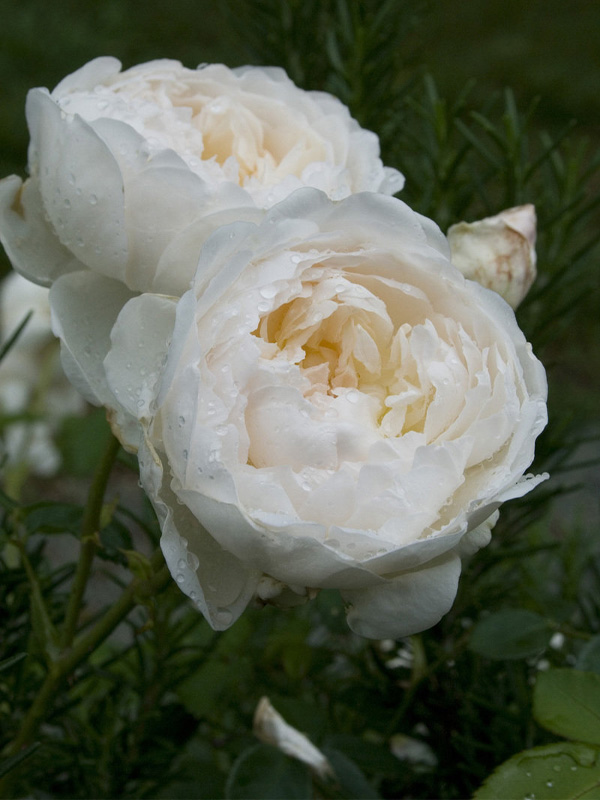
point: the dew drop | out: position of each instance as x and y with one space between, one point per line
193 561
181 564
268 292
341 287
549 784
221 430
296 259
223 616
262 308
181 421
93 199
353 396
180 578
305 485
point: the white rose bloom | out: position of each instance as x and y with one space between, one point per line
131 170
331 405
31 376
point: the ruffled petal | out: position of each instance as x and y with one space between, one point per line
407 604
80 183
30 242
218 583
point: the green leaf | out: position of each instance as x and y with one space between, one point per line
115 538
350 778
6 346
264 772
589 656
560 771
10 763
10 662
366 755
567 702
511 634
53 518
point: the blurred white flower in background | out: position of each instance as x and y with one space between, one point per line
34 392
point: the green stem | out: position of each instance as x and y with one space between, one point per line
137 590
89 542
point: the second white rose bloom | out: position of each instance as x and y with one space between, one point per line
331 405
130 171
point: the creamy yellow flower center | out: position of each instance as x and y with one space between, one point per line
345 343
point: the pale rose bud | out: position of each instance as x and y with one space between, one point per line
271 728
498 252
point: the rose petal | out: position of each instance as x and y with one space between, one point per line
407 604
80 184
30 242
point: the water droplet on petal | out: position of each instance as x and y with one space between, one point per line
93 199
193 561
181 564
223 616
353 396
268 292
180 578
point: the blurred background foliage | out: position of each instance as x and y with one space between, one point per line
164 708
